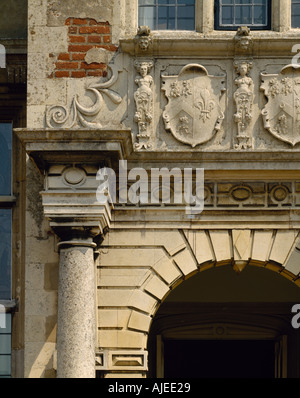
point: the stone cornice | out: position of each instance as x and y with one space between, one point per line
49 146
69 205
215 44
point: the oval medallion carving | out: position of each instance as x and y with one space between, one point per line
241 193
74 176
279 193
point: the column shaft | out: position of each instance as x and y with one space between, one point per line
76 312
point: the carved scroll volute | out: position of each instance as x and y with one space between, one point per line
143 97
85 116
243 98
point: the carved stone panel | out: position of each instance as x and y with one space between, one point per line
193 114
281 115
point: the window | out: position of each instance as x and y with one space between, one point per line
5 246
5 253
230 14
5 159
5 209
295 13
167 14
5 344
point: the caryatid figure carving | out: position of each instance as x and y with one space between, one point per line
243 97
143 97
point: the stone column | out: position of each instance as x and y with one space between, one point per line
70 160
76 322
77 218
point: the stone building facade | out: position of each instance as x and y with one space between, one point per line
141 92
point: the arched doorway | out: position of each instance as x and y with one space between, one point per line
223 324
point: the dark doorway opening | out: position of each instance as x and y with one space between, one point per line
219 359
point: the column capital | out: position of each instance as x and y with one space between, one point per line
70 203
71 236
69 160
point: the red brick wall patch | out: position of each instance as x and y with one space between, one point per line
84 34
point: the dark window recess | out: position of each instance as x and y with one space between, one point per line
219 359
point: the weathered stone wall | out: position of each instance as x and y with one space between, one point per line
41 277
55 51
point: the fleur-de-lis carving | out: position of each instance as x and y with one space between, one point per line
205 104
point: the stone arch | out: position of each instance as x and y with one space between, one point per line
139 269
277 250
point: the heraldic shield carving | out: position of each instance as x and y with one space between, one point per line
281 115
193 113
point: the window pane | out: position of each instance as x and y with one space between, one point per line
166 1
167 14
146 2
147 17
260 15
5 254
186 12
243 15
186 24
5 365
5 158
166 18
5 323
227 15
186 19
186 2
234 13
5 344
295 14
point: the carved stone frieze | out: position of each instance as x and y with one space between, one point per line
281 115
143 97
275 195
272 195
243 98
86 116
193 114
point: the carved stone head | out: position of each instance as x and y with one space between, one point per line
243 67
143 67
144 38
243 39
